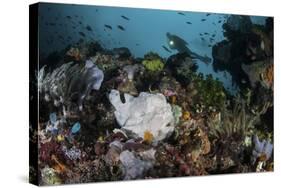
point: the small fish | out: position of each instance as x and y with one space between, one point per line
209 45
80 22
125 18
219 21
203 20
189 23
108 27
202 39
165 48
68 17
121 27
180 13
208 14
213 35
200 34
82 34
206 33
89 28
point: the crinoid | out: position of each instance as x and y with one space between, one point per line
235 123
227 132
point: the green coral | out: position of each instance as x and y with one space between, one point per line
153 62
210 91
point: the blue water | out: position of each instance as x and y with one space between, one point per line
145 31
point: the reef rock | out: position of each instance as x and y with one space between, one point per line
222 52
260 72
132 69
145 113
238 23
134 167
181 66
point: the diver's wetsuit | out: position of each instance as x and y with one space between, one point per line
177 43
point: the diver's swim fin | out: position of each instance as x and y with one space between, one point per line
204 59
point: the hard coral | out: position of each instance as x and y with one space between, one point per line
74 53
210 91
268 76
153 62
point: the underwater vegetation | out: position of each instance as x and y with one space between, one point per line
106 115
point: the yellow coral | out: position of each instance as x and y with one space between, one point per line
153 65
186 115
60 138
148 136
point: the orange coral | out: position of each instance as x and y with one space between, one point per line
59 167
148 136
270 74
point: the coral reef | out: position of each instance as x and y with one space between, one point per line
107 116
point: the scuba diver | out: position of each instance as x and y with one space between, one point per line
177 43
